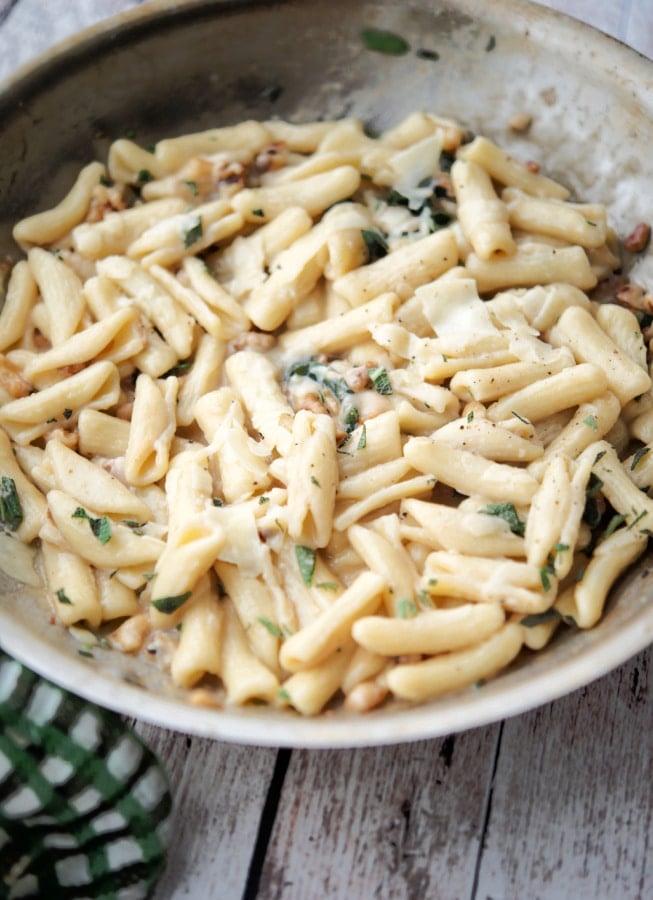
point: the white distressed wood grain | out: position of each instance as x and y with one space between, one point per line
398 823
606 15
637 28
572 800
219 792
32 26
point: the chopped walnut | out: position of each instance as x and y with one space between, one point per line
12 381
230 178
357 378
312 403
104 199
638 239
634 297
252 340
272 157
520 122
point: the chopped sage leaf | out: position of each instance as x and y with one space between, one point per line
638 457
638 518
544 578
535 619
193 233
394 198
406 609
274 630
380 380
258 212
351 418
375 243
172 603
362 440
306 561
508 513
591 422
491 44
315 481
328 586
382 41
67 413
320 373
613 524
63 597
134 525
423 53
11 511
85 651
182 366
594 485
283 694
263 499
144 176
100 527
192 187
216 501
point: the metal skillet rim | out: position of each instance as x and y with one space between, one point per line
273 729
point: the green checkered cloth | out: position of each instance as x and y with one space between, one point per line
84 804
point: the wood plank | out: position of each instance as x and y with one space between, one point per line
606 15
572 800
638 28
397 822
219 792
32 26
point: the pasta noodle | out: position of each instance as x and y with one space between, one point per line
316 417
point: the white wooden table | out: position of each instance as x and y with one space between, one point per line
550 805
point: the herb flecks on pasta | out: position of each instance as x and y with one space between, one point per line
313 417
